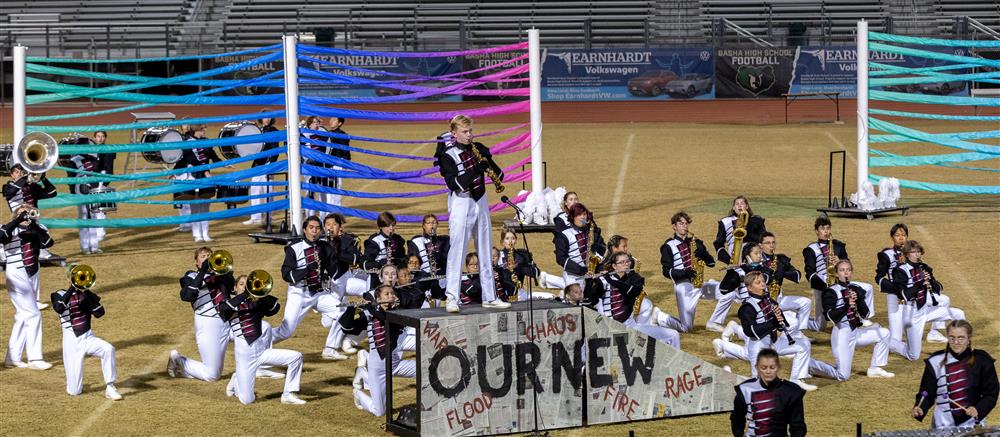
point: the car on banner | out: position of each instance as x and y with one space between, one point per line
942 88
385 92
651 83
689 85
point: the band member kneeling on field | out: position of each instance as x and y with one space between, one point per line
959 380
23 239
619 290
252 336
678 256
75 306
732 289
922 298
205 290
781 268
886 261
819 256
844 305
382 340
767 405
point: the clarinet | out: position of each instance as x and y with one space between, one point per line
784 326
927 284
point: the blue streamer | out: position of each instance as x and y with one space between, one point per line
893 160
988 77
307 140
955 136
269 137
141 222
167 58
940 188
889 69
233 199
80 91
933 55
363 195
149 124
310 204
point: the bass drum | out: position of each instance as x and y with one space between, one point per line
162 135
6 159
240 129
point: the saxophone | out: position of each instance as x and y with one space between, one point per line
696 263
513 275
739 233
594 260
497 182
831 277
389 248
430 249
774 288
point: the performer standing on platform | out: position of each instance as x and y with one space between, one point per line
767 405
679 257
266 125
463 166
959 380
752 229
22 240
75 306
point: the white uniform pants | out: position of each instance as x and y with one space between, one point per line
735 351
726 300
468 217
800 305
546 280
200 229
687 302
256 190
664 335
250 357
802 362
914 320
90 238
75 349
26 334
895 312
298 304
650 314
844 341
346 285
212 336
375 403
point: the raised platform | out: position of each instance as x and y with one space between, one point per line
859 213
484 371
529 228
278 238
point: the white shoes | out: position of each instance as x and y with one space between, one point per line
865 323
802 384
730 330
451 306
934 336
231 387
348 347
330 353
878 372
96 251
357 399
495 303
270 374
39 365
289 398
717 345
10 364
111 392
198 239
172 363
714 327
42 305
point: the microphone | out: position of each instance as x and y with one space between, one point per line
506 200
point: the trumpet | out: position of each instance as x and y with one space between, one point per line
82 276
221 262
259 284
31 212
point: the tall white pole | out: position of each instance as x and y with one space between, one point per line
20 53
535 108
292 128
862 103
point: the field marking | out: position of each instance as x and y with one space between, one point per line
620 188
850 153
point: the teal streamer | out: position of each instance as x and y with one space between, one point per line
894 160
233 199
149 124
164 58
889 69
891 96
987 77
886 126
954 136
941 188
878 36
76 149
61 91
933 55
141 222
926 116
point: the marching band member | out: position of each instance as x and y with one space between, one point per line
471 287
618 291
561 221
308 265
382 340
22 190
384 247
90 238
572 295
887 260
429 247
266 125
432 285
522 264
820 257
573 246
75 306
22 240
313 122
844 305
343 255
767 405
678 261
781 268
648 312
464 164
253 349
107 160
205 290
724 239
503 280
959 380
923 301
336 123
765 327
732 289
192 157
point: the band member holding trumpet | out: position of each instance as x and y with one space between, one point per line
683 259
75 307
464 167
253 338
740 226
205 288
820 258
23 238
959 380
381 341
578 247
921 296
844 305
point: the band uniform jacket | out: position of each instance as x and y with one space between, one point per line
676 260
768 410
886 260
22 192
969 379
75 307
724 239
815 261
462 173
22 246
245 314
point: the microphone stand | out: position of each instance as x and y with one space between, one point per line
531 311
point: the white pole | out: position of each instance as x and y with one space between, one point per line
535 105
292 128
20 53
862 103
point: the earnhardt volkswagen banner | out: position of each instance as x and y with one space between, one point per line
627 74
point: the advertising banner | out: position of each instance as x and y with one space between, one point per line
753 72
627 74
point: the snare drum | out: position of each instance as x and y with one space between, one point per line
103 206
225 192
240 129
162 135
6 159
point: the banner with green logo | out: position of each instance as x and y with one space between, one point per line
753 72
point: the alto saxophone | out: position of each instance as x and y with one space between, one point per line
594 260
696 263
831 277
431 251
513 275
497 182
774 288
739 233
